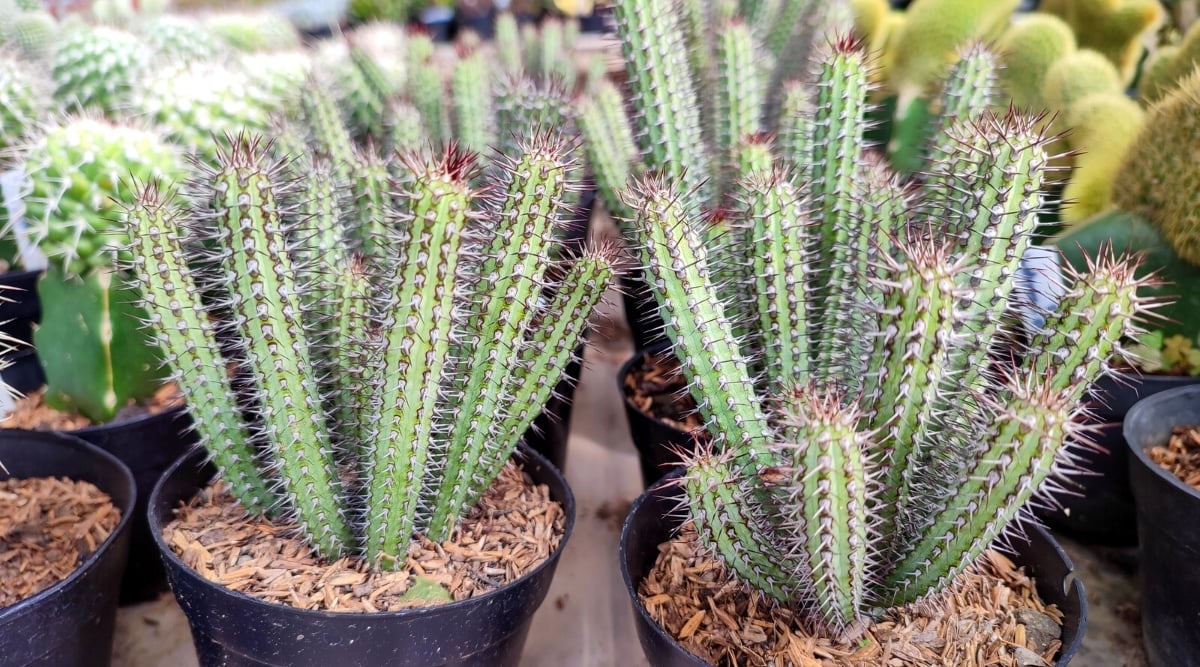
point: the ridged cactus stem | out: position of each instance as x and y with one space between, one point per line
508 43
180 323
740 93
425 89
350 357
694 19
796 131
829 483
328 135
967 92
416 355
677 266
785 24
263 296
513 268
1021 445
370 186
663 92
608 140
472 102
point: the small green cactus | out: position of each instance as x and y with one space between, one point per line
1077 75
180 40
1114 28
1028 49
23 103
32 33
390 400
97 67
254 31
867 446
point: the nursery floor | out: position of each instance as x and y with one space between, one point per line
586 620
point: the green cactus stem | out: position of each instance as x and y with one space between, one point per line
610 146
472 102
97 67
740 91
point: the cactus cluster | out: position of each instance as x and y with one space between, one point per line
1114 28
96 67
254 31
385 392
179 40
31 33
879 414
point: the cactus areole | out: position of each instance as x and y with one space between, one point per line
367 399
880 413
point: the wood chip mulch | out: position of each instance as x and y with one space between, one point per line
48 526
658 388
1180 456
32 413
512 530
991 616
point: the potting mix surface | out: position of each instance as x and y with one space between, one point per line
48 526
32 413
509 532
990 616
1181 455
657 387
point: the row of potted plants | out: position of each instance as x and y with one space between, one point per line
882 394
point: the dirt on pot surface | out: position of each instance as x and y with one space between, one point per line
1181 455
32 413
510 531
657 387
990 616
48 526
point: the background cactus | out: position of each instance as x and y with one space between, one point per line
23 103
32 33
254 31
1114 28
455 349
877 451
180 40
95 67
1028 49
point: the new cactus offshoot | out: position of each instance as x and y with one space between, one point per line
881 410
367 398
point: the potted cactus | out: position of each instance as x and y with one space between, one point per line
369 405
882 409
94 375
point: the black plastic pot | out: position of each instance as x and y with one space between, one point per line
20 307
658 443
601 20
234 630
654 518
70 624
1168 531
147 446
438 22
1101 509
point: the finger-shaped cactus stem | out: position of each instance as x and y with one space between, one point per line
967 92
370 186
796 128
779 227
740 93
425 89
508 43
264 300
415 356
180 322
694 18
753 154
366 93
785 24
677 267
472 102
1085 312
829 483
349 359
608 141
405 129
510 279
728 526
663 92
1026 431
327 134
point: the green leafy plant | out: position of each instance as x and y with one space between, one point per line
879 414
420 372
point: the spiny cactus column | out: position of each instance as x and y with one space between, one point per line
472 101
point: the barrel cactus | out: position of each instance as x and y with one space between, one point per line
96 67
438 360
881 414
23 103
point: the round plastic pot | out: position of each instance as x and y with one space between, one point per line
1168 531
234 630
641 311
147 446
1100 509
654 518
20 308
658 443
70 624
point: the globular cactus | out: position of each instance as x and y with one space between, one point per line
32 33
1077 75
1158 178
877 422
97 67
198 105
1114 28
254 31
1168 65
179 40
1104 128
1028 49
385 405
74 186
23 103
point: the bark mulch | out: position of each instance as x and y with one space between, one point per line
1181 455
48 526
512 530
32 413
989 616
657 387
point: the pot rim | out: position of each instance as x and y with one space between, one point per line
1139 451
567 502
122 525
627 368
1071 584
